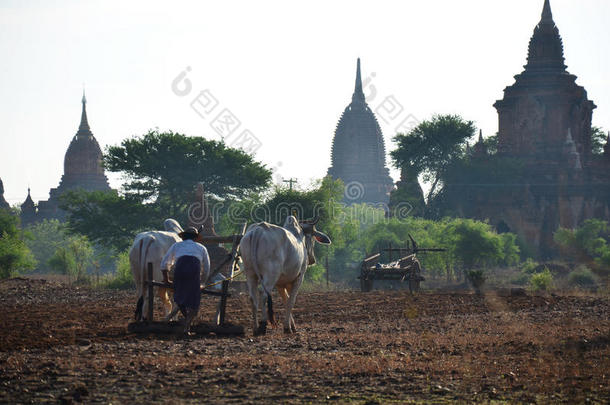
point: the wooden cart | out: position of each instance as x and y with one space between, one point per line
406 269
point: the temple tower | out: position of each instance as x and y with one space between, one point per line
28 211
545 126
82 168
480 149
358 152
544 102
83 161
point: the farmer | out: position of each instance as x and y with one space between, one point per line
191 260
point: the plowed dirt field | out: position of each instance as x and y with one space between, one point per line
68 344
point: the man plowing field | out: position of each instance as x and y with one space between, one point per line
191 259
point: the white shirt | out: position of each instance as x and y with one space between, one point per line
187 248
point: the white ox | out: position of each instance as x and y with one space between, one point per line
277 256
150 247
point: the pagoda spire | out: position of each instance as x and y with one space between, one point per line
83 128
358 93
547 15
480 149
545 51
28 200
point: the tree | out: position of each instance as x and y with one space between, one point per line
165 166
469 243
476 244
491 144
73 259
109 219
15 257
45 238
587 244
161 170
321 200
598 140
431 147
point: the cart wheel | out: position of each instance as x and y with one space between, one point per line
366 285
414 280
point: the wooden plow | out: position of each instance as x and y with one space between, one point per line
219 326
406 269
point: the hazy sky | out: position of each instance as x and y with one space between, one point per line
284 69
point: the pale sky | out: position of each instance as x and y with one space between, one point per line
284 69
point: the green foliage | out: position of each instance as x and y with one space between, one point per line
108 218
45 238
476 244
603 264
587 244
321 200
15 257
74 258
164 167
491 144
9 223
123 279
430 148
361 229
62 261
410 195
437 151
529 266
526 270
510 249
161 170
541 281
315 274
598 140
468 242
583 277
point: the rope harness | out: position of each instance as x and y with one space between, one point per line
229 257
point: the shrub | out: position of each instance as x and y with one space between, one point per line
73 259
315 273
583 277
529 266
15 257
123 279
541 281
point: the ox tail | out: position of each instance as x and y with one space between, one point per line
270 314
270 309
